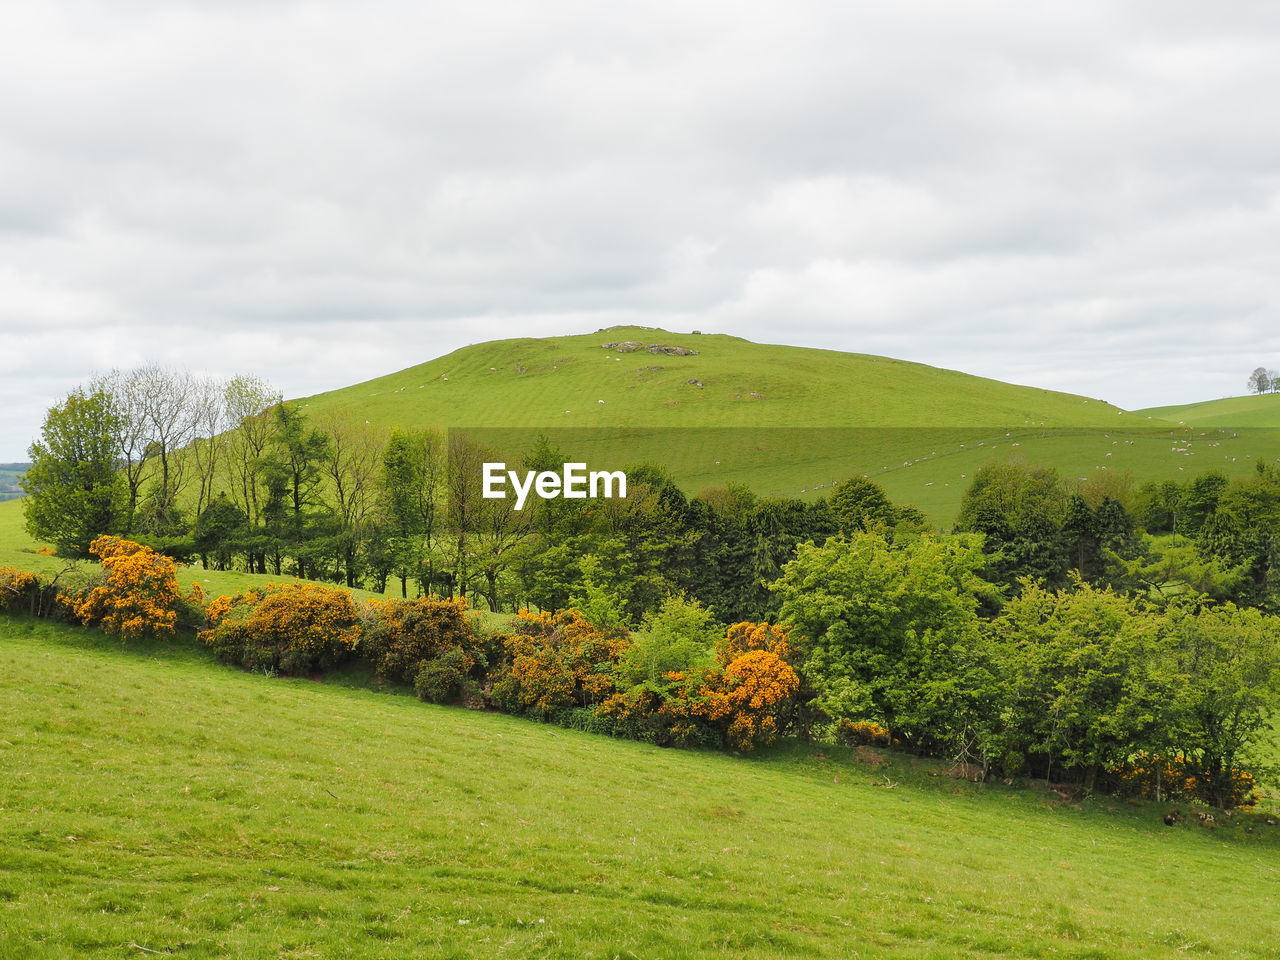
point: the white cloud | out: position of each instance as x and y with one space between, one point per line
1084 197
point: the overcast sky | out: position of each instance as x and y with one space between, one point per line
1082 196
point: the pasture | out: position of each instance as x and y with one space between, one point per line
155 801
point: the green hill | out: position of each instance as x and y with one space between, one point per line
785 421
10 474
725 382
156 803
1257 411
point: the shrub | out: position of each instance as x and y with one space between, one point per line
400 635
137 595
632 714
1177 778
441 679
750 698
555 662
744 637
889 631
678 637
667 719
864 733
17 587
744 695
284 628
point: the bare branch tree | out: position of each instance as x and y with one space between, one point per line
247 400
352 467
207 447
126 394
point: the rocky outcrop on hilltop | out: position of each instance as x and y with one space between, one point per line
632 346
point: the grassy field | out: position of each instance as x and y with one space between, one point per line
1261 410
151 800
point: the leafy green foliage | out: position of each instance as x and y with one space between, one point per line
678 637
1080 681
1226 695
888 631
441 680
1020 511
860 506
74 493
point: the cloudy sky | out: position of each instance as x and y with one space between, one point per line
1083 196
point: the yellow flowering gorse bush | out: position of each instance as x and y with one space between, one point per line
14 584
290 627
1177 778
139 594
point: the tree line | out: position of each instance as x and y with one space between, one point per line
227 474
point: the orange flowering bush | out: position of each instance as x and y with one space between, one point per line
744 700
138 594
865 733
744 637
400 636
15 585
556 661
285 628
748 698
1177 778
634 714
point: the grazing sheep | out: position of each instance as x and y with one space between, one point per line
1172 817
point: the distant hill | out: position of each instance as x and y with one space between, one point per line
657 378
1259 410
717 409
9 475
789 421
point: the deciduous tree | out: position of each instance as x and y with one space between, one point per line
74 491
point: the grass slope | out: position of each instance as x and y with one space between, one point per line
151 801
559 381
1257 411
785 421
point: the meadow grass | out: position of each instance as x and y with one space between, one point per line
783 421
1257 411
152 800
560 381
